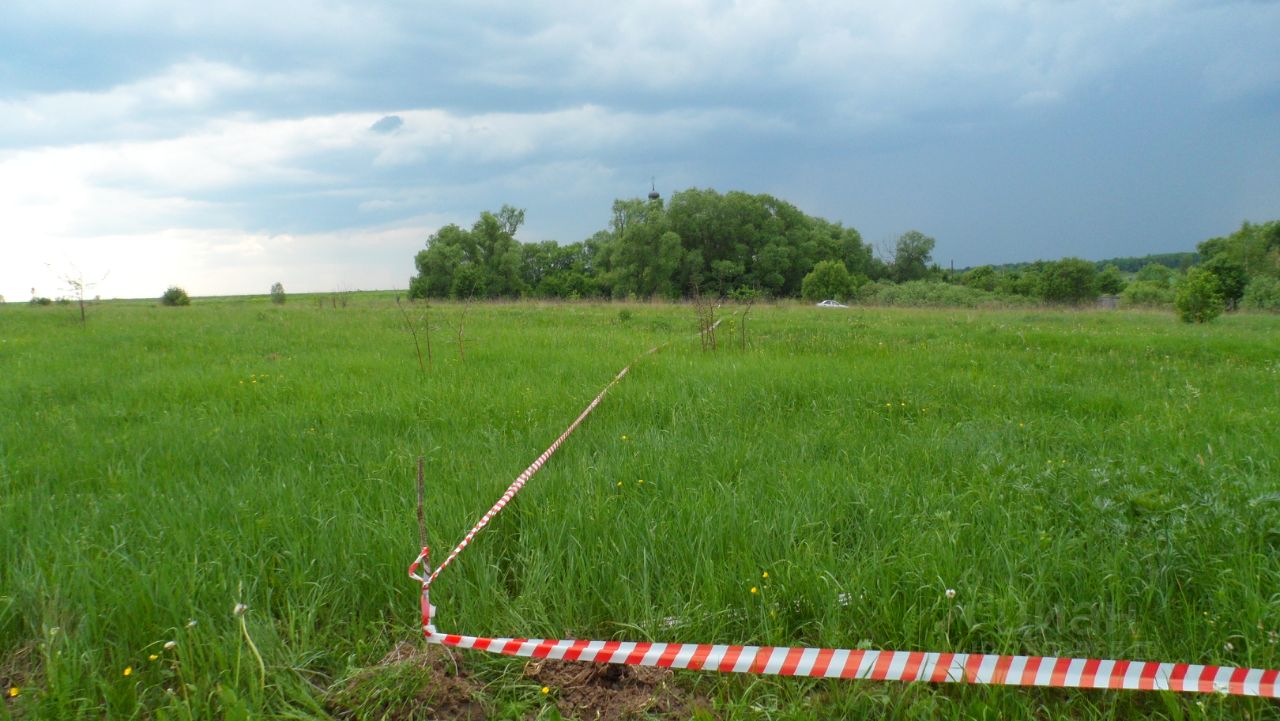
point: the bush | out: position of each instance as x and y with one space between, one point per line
1199 298
1070 280
1262 293
40 300
1147 293
175 296
277 293
1110 281
829 279
931 294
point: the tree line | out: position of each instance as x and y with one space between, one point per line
739 245
700 242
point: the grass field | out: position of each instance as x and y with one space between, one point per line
1093 484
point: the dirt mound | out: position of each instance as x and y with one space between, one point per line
424 682
410 682
609 692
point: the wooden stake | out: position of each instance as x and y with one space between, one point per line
422 525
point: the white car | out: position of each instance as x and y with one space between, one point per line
831 304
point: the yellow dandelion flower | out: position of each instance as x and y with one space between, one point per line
128 670
619 484
755 590
640 481
764 575
152 657
14 691
546 690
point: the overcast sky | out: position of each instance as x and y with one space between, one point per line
224 146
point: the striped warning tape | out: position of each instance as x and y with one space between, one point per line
972 668
524 477
871 665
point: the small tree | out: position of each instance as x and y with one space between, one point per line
1262 293
1110 281
277 293
828 279
1231 278
1199 298
1070 280
175 296
911 256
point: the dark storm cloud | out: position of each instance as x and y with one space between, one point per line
387 124
1037 129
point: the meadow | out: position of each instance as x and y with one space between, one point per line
1095 484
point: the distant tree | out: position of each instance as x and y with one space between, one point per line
1156 273
1147 293
1070 280
1262 293
1199 299
829 279
984 277
1231 277
277 293
484 261
175 296
911 256
74 281
1110 282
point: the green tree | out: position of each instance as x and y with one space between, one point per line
829 279
1070 280
1231 276
1199 299
1110 281
175 296
1157 273
911 256
984 277
488 254
1147 293
277 293
1263 293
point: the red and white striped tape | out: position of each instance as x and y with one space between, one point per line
523 478
934 667
972 668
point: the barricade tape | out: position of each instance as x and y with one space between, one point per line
971 668
871 665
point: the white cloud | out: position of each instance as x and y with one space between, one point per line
165 103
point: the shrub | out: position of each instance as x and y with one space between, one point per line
40 300
277 293
1199 298
1070 280
175 296
1110 281
829 279
931 294
1262 293
1148 293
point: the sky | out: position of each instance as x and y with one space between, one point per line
227 146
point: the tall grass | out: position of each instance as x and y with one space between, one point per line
1099 484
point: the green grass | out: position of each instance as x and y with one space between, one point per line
1093 484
